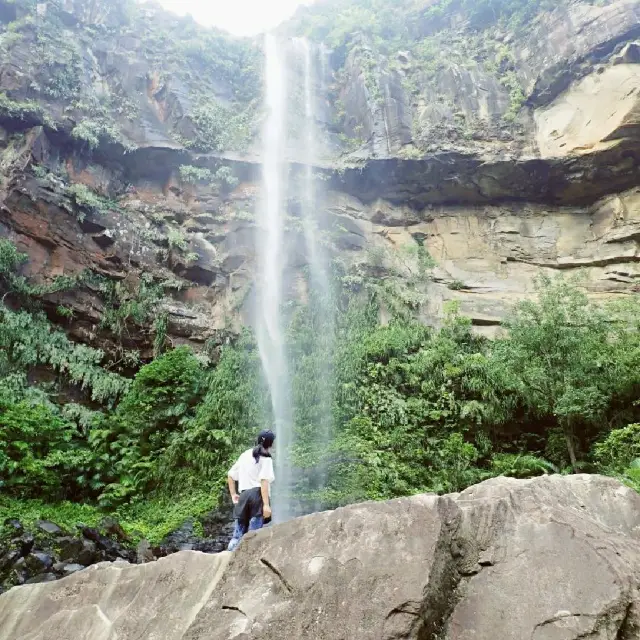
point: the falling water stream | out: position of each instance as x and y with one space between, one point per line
319 281
271 265
274 259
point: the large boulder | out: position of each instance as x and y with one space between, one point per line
555 558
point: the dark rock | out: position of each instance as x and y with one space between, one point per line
89 554
111 548
90 534
144 553
113 528
70 547
14 525
38 562
214 545
26 543
18 577
180 539
48 527
218 527
43 577
78 550
8 559
104 240
72 568
159 551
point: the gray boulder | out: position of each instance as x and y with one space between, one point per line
554 558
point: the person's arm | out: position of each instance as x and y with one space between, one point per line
232 477
232 490
266 505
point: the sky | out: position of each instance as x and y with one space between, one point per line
240 17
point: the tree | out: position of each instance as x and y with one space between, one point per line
561 359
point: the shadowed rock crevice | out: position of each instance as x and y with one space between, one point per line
285 583
630 627
441 593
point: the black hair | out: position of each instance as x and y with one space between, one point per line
263 443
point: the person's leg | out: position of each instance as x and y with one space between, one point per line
238 531
256 523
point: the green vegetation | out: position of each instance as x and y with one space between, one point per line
23 110
152 451
457 285
17 286
86 198
126 307
388 26
413 408
93 132
60 72
430 46
222 178
218 128
192 175
423 410
86 432
516 95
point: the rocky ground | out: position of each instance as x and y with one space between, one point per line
553 558
45 552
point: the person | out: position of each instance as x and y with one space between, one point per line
253 473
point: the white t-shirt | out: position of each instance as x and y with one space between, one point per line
248 473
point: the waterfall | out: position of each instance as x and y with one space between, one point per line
321 297
275 256
271 260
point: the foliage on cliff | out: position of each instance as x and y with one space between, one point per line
429 47
94 70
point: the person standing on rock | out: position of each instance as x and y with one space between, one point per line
253 473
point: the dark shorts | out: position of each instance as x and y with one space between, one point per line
249 506
248 515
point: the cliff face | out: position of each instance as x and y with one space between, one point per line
507 150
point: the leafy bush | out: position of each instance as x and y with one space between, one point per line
619 450
378 411
28 340
223 176
192 175
24 110
217 128
128 306
520 465
11 282
39 452
233 408
65 514
131 442
152 518
94 132
177 239
85 197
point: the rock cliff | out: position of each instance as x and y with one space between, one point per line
555 558
129 149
